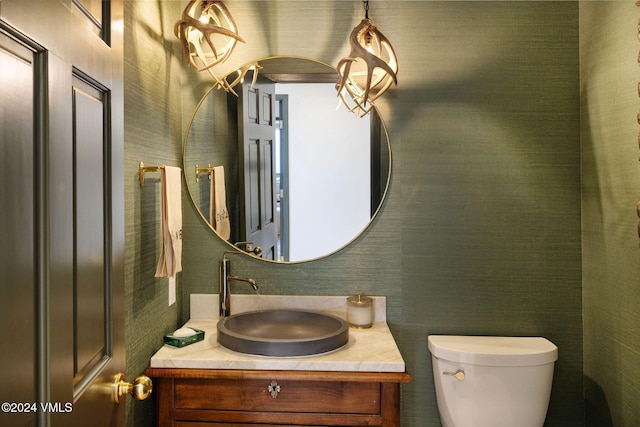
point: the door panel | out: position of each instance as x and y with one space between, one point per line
90 299
267 169
91 12
252 186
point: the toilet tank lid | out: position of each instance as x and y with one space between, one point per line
493 351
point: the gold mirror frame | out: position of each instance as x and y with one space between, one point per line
189 174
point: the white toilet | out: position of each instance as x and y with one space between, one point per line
492 381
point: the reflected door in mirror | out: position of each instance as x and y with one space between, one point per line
256 118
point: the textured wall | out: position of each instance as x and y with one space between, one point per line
480 233
153 131
609 98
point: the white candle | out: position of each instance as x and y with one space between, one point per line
360 311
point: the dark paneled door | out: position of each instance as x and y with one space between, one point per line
256 117
61 220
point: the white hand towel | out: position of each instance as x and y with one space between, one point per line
218 214
170 261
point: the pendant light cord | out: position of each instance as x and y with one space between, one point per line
366 8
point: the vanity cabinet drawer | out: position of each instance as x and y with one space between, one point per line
243 398
278 396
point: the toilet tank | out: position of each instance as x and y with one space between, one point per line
486 381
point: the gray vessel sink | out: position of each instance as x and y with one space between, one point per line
283 333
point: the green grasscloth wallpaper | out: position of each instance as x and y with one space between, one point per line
153 131
482 232
610 177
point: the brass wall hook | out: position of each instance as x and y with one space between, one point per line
144 169
206 170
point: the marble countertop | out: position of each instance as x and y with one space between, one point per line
368 350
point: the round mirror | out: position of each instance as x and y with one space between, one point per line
278 170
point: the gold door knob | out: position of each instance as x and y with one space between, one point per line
140 389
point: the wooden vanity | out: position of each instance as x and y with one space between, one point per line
205 384
221 397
